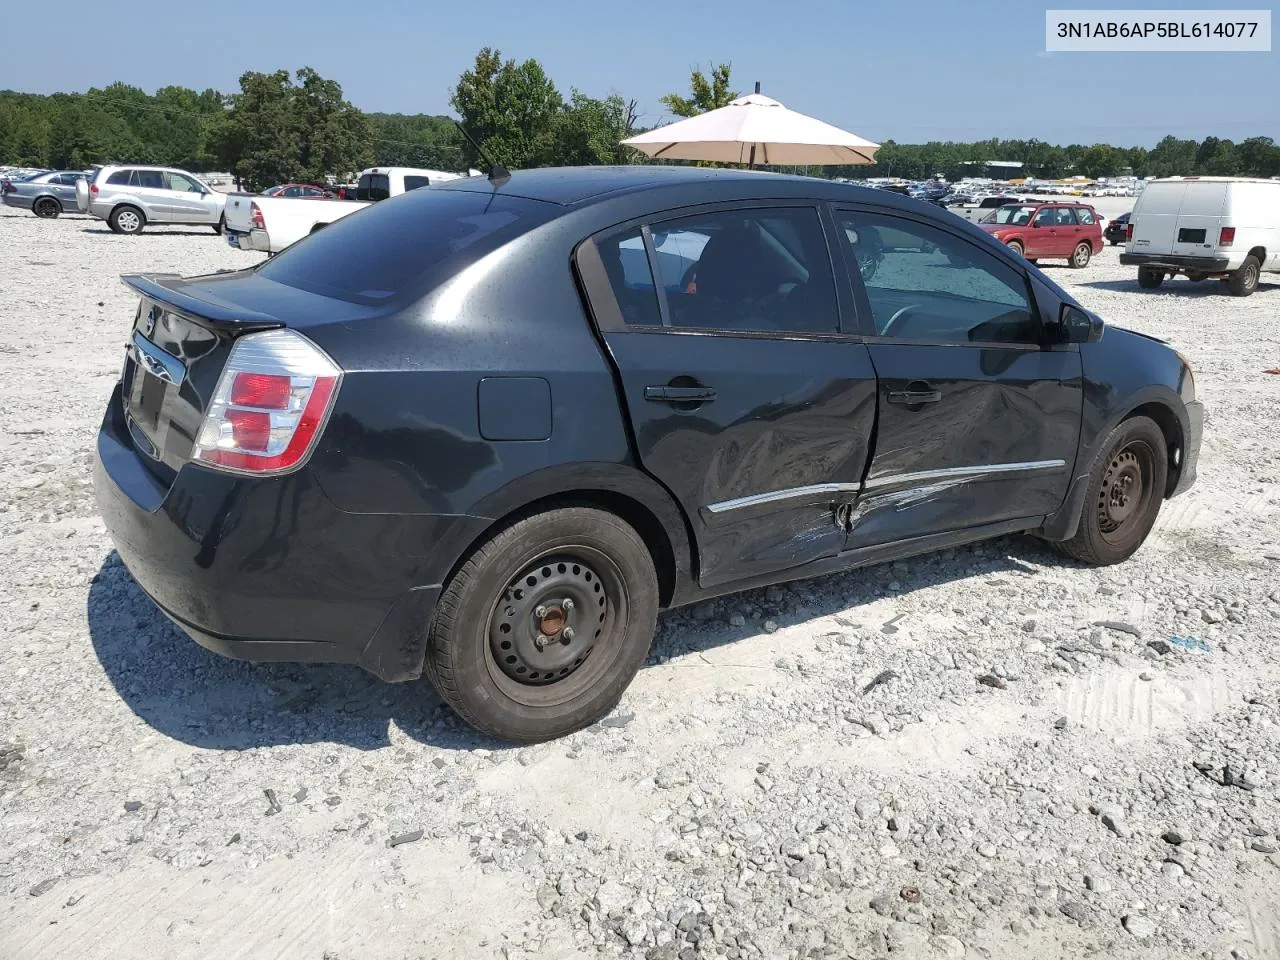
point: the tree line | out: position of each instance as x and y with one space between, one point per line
280 127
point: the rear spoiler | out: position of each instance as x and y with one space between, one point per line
172 289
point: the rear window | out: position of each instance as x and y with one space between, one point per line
373 186
402 248
413 183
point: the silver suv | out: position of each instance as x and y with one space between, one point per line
130 197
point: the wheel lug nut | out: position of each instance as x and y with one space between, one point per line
567 604
539 611
540 641
567 633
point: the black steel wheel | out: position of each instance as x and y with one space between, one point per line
1149 277
541 630
46 208
1126 487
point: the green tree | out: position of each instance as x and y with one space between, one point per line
1259 157
704 94
1100 160
510 109
590 131
1172 157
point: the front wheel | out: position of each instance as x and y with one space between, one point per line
1015 246
1149 278
220 225
1244 281
1080 256
46 208
1126 486
539 633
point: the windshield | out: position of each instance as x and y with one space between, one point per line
404 247
1013 216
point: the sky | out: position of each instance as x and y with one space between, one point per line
910 70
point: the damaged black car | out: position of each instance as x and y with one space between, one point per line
487 430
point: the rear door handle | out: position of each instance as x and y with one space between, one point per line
668 394
916 393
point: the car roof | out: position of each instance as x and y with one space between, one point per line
577 186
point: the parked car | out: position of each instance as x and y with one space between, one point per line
130 197
46 195
1224 228
268 224
1040 231
298 190
489 429
1115 231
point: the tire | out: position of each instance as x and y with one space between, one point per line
127 219
220 225
1016 247
1149 278
1126 486
483 655
46 208
1244 281
1080 256
1114 243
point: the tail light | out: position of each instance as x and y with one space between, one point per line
255 214
93 189
270 406
1227 236
1128 230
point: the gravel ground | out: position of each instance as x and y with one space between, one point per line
988 752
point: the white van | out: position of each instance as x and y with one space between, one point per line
1226 228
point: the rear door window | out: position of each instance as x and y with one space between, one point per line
395 251
120 178
752 269
150 180
627 264
373 186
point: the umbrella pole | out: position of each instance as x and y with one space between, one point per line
752 161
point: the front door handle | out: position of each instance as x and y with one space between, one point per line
669 394
917 392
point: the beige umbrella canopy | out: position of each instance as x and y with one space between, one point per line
755 129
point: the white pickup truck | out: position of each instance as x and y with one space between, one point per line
269 224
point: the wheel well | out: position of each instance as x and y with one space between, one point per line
632 511
48 196
130 206
1172 430
1260 253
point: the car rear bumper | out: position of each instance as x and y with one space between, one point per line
16 200
1176 263
1191 447
248 240
270 569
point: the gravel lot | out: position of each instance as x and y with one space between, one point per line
989 752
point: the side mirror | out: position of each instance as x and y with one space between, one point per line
1079 326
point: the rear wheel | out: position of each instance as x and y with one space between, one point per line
1126 486
539 633
46 208
127 220
1244 281
1015 246
1080 256
1149 277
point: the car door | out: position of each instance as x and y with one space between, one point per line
65 189
977 421
746 398
1044 238
152 191
186 199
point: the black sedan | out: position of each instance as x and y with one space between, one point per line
487 430
1117 229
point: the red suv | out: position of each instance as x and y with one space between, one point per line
1047 230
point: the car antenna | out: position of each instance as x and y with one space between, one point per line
497 171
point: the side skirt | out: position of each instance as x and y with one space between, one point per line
866 557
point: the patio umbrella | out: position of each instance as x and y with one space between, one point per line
755 129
